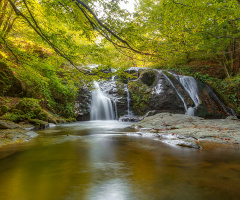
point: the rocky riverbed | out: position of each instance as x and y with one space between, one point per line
191 131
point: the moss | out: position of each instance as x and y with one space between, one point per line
10 85
31 108
140 94
40 124
120 87
148 77
71 119
14 117
4 108
28 105
16 111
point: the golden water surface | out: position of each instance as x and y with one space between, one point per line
106 160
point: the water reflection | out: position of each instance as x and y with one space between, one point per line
98 161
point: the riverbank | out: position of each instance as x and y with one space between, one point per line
191 131
11 133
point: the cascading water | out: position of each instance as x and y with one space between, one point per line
190 85
101 106
115 109
129 113
128 102
178 92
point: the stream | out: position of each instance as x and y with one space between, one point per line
108 160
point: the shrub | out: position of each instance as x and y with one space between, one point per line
4 109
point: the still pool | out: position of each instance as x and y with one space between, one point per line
107 160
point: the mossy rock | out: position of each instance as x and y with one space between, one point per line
28 105
60 120
16 111
148 77
14 117
7 125
50 118
32 109
140 94
10 85
4 108
39 124
71 119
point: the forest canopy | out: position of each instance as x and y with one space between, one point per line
49 44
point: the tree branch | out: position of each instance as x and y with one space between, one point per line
107 29
6 44
38 30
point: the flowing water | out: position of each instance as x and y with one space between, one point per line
101 106
107 160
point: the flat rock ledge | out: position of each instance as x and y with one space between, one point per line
191 131
11 133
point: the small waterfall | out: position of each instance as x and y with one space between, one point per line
190 85
178 92
128 102
101 106
115 107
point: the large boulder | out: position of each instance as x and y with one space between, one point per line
153 92
82 104
211 106
165 91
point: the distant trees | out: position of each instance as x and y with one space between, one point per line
160 32
181 30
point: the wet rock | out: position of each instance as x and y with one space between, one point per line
82 104
164 91
232 118
11 136
8 125
211 106
31 134
130 118
117 92
156 91
39 124
191 129
148 77
155 94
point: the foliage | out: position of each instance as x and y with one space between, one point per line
179 31
14 117
140 95
4 108
49 44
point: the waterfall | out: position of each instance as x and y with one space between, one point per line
190 85
115 107
101 106
128 102
178 92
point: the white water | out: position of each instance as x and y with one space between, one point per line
115 109
190 85
101 106
128 102
178 92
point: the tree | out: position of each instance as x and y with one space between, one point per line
181 30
